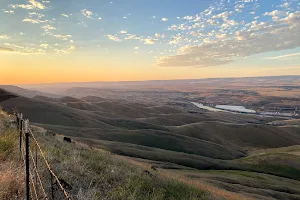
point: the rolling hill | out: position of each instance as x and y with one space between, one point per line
223 150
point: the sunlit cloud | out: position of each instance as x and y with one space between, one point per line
114 38
33 21
44 45
149 41
67 50
230 39
87 13
9 11
4 37
48 27
33 4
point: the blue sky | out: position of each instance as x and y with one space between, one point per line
162 33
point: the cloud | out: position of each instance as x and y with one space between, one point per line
33 4
9 11
4 37
16 49
164 19
274 14
114 38
33 21
132 37
123 32
157 35
66 50
44 45
285 5
100 18
6 49
149 41
37 4
284 57
87 13
64 15
36 14
48 27
62 37
221 48
24 6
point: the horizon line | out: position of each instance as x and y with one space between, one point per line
151 80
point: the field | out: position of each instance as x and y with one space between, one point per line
155 124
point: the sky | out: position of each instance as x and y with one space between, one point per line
119 40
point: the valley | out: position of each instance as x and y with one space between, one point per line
155 124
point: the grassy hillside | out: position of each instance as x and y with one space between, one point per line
151 138
233 156
24 92
4 95
245 136
57 114
234 184
91 174
106 122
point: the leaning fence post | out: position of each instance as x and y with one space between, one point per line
26 127
20 127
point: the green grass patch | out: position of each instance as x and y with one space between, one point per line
7 142
142 187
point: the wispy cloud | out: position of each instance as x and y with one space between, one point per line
9 11
65 15
6 49
16 49
33 4
67 50
149 41
33 21
4 37
284 57
114 38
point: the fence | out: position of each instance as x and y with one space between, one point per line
31 153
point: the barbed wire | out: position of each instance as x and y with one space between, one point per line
38 176
20 120
49 167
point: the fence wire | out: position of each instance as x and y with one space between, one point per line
34 168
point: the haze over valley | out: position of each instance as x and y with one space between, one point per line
157 123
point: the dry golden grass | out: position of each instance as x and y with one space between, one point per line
218 192
12 183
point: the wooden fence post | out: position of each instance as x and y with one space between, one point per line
26 127
20 128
